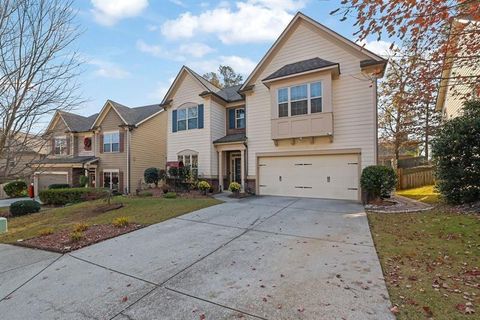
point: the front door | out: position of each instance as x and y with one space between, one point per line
236 168
91 179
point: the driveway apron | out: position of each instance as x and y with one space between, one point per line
256 258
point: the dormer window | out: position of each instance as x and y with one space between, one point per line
300 99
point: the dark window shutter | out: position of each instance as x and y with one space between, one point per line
231 118
120 182
200 116
100 180
121 141
101 143
53 146
68 145
174 121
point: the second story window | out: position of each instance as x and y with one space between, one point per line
111 142
187 118
240 118
300 100
60 147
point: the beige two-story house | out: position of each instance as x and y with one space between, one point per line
112 148
303 124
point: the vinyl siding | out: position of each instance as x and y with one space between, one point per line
118 160
80 147
454 100
218 130
353 98
148 145
198 140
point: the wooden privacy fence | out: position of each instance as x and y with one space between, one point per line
415 177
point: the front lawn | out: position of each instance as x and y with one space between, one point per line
143 211
426 194
431 263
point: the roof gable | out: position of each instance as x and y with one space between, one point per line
204 83
129 116
53 122
299 18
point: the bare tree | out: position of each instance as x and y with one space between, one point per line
38 68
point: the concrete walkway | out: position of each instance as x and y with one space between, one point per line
255 258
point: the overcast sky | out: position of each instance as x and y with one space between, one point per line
134 48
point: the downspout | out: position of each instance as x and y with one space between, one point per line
128 160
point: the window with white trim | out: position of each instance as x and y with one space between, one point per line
60 147
111 180
240 118
300 99
111 142
190 161
187 118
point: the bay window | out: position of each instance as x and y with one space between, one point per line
300 99
190 161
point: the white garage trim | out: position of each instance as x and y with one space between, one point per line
356 152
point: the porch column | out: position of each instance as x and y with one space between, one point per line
220 170
242 169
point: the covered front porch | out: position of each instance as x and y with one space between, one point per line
231 151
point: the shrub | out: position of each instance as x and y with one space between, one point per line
71 195
145 194
80 227
76 236
120 222
455 152
20 208
59 186
234 186
204 186
170 195
83 181
153 175
15 189
378 181
46 231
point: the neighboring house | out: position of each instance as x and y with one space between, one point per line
19 152
386 153
113 148
460 80
303 124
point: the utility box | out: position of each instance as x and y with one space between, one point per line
3 225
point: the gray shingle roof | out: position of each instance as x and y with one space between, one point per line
237 137
77 122
300 66
79 159
134 115
230 94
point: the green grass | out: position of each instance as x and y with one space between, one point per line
421 250
139 210
426 194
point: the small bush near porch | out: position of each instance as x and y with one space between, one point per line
141 211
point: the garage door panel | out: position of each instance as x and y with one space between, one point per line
44 180
328 176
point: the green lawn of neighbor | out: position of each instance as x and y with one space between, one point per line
139 210
426 194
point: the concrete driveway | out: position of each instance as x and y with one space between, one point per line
255 258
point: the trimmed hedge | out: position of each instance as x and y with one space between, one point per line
22 207
15 189
70 195
59 186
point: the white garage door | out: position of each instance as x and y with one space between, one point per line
326 176
46 179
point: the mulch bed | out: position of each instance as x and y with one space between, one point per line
60 241
193 194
